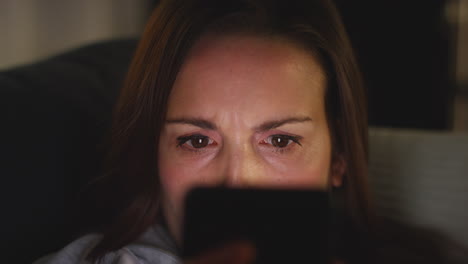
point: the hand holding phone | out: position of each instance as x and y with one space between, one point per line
285 226
237 252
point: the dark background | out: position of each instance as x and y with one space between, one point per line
404 49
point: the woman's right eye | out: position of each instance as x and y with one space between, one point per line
195 141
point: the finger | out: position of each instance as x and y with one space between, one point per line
337 261
232 253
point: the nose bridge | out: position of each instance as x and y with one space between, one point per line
241 166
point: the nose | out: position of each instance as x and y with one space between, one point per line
242 167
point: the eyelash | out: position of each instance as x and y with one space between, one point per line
295 139
182 140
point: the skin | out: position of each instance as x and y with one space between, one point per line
237 93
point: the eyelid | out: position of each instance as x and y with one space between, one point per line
182 140
294 138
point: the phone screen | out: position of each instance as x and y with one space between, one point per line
286 226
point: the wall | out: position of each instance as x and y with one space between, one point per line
461 97
34 29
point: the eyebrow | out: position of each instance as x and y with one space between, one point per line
205 124
198 122
277 123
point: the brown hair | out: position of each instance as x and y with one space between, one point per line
131 180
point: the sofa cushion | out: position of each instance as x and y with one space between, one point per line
53 116
420 179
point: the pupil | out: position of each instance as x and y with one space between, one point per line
280 142
199 142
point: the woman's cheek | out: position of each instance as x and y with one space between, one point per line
301 171
179 174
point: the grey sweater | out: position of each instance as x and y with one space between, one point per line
155 246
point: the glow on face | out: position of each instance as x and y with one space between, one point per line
244 112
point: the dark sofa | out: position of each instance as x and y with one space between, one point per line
53 116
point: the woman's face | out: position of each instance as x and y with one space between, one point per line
244 112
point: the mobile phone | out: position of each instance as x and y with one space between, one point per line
286 226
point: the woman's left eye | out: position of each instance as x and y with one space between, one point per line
282 141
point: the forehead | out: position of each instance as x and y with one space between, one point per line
248 51
238 70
